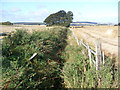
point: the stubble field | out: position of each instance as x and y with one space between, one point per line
108 36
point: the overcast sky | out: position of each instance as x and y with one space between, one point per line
104 11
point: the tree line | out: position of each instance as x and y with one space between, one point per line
6 23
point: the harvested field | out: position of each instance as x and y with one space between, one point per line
4 28
108 35
30 28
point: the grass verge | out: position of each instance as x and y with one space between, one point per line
77 72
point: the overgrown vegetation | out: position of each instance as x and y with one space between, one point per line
77 72
60 18
41 72
58 64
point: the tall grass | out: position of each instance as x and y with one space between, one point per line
77 72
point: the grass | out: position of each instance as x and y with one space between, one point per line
77 72
29 28
73 64
107 34
10 28
105 31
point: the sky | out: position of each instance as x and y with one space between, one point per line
103 11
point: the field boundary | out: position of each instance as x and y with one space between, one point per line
98 54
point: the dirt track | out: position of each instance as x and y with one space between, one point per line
107 35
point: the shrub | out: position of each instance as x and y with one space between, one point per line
44 70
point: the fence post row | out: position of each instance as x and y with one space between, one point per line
103 57
98 54
89 55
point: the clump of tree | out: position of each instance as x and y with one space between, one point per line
118 24
7 23
61 18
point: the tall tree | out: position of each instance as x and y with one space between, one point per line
60 18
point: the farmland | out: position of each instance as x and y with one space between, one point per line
29 28
5 28
108 36
60 62
59 45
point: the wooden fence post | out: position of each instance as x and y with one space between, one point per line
98 54
103 57
89 54
77 41
81 42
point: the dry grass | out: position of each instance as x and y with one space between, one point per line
4 28
108 36
105 31
29 28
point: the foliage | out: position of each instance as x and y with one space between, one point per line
77 72
60 18
118 24
41 72
7 23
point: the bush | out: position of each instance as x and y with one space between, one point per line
44 70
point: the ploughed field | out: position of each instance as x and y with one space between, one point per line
108 36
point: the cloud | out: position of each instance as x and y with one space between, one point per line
97 16
15 10
39 15
11 14
12 10
16 14
40 12
102 14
